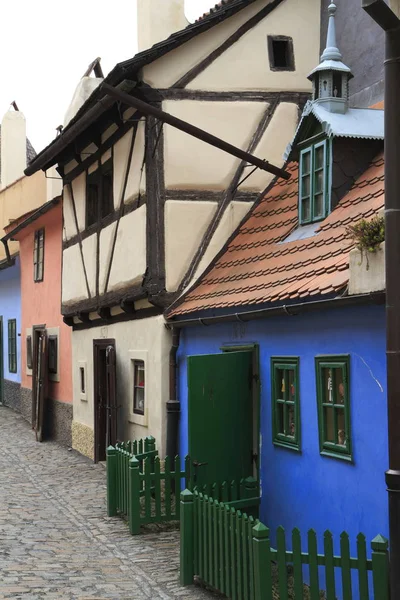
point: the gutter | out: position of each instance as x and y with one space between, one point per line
290 310
173 404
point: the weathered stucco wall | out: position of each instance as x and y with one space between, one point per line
145 339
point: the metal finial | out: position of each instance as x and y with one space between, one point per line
331 51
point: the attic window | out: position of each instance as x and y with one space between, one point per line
281 54
313 183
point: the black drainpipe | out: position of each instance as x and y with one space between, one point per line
390 23
173 404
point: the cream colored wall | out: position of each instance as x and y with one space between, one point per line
136 179
129 261
157 20
24 195
73 277
273 144
146 339
395 6
192 164
245 65
185 226
167 70
13 147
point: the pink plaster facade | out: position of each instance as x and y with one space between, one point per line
41 301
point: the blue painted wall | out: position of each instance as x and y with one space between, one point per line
307 490
10 308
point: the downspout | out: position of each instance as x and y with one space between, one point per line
390 23
173 404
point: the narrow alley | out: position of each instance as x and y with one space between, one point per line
55 538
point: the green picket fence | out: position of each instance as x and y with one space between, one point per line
232 553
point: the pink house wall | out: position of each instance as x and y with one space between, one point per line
41 301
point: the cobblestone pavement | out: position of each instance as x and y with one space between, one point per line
56 540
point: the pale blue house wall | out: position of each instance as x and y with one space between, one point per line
10 308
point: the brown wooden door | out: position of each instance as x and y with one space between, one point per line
105 412
40 380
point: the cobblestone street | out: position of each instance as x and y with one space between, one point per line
55 538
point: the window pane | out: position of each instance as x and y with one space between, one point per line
279 417
341 425
107 205
138 387
82 378
319 157
305 186
319 182
329 426
339 386
280 384
292 388
290 427
139 400
327 385
306 163
91 204
305 210
318 206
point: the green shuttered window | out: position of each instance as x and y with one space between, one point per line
285 401
313 183
333 396
12 345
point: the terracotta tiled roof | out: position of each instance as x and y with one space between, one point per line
256 268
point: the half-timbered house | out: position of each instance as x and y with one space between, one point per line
147 205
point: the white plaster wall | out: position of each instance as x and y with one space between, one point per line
89 249
167 70
68 215
185 226
132 338
136 179
129 261
193 164
13 147
273 144
106 239
245 65
79 191
157 20
73 277
233 215
84 89
53 184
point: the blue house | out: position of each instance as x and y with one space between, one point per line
281 357
10 327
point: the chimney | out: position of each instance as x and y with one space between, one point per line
13 147
158 19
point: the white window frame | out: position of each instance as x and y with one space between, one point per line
135 355
83 396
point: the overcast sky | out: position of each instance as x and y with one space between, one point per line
46 45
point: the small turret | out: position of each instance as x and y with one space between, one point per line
331 78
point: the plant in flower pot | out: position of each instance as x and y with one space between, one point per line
368 235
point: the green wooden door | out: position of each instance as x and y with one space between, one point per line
221 416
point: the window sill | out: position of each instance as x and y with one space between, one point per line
330 454
287 445
138 419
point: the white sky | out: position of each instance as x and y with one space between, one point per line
46 46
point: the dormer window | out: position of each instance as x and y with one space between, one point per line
313 183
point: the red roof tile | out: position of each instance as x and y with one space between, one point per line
257 268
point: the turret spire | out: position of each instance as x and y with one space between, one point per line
331 51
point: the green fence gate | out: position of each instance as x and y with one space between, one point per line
232 553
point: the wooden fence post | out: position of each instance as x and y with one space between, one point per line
111 457
262 563
380 567
187 538
251 489
134 497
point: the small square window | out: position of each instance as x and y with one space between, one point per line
53 354
334 405
285 402
138 387
38 256
281 54
29 351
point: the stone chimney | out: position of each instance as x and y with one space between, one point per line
157 19
13 147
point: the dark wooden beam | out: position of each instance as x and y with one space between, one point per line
83 316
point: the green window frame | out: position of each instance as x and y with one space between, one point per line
285 401
333 398
314 183
12 345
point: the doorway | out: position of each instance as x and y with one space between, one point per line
39 379
105 406
223 417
